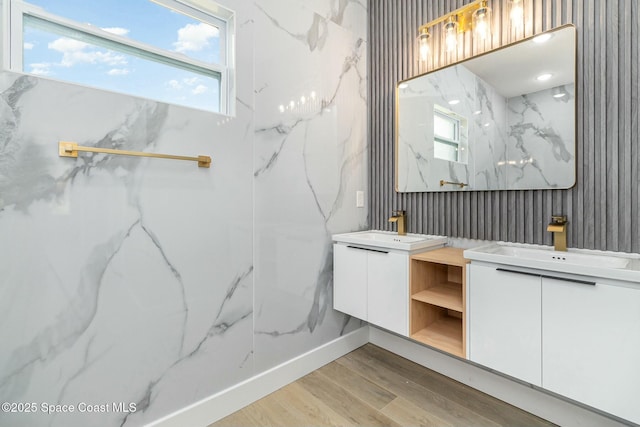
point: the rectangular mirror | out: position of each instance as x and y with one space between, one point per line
504 120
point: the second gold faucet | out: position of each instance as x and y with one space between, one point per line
558 226
400 217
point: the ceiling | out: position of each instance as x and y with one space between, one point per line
512 71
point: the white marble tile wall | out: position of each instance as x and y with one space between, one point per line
309 161
158 283
541 145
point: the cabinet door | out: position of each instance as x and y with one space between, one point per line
388 299
591 345
350 281
504 321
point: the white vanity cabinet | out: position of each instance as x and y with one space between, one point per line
505 321
372 285
350 280
570 334
591 343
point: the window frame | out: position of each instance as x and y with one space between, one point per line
441 139
12 12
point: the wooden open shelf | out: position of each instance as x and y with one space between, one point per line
438 299
445 334
448 295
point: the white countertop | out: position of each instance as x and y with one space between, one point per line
586 262
391 240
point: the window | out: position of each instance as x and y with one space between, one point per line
449 135
174 51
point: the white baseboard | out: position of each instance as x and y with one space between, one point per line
518 394
521 395
228 401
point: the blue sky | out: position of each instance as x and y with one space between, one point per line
66 58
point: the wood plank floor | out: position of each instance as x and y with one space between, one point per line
373 387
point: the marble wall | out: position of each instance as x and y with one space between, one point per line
540 147
158 283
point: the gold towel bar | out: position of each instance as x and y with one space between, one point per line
459 184
71 149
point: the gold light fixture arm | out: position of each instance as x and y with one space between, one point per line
459 184
71 149
463 14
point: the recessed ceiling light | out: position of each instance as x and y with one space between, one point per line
475 113
541 38
454 102
558 92
543 77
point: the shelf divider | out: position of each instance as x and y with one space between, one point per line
447 295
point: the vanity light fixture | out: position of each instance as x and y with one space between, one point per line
474 16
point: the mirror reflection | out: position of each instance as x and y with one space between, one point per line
501 121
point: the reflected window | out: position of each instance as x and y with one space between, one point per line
449 135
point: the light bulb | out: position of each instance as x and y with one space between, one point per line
517 13
482 21
423 44
481 29
451 35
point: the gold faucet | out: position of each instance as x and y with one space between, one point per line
558 226
401 218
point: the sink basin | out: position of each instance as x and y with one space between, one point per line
390 240
547 254
618 265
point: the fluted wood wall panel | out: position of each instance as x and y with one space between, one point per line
603 207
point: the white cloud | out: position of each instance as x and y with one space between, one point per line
199 89
41 69
174 84
65 44
195 37
190 81
117 31
28 46
77 52
192 84
118 72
